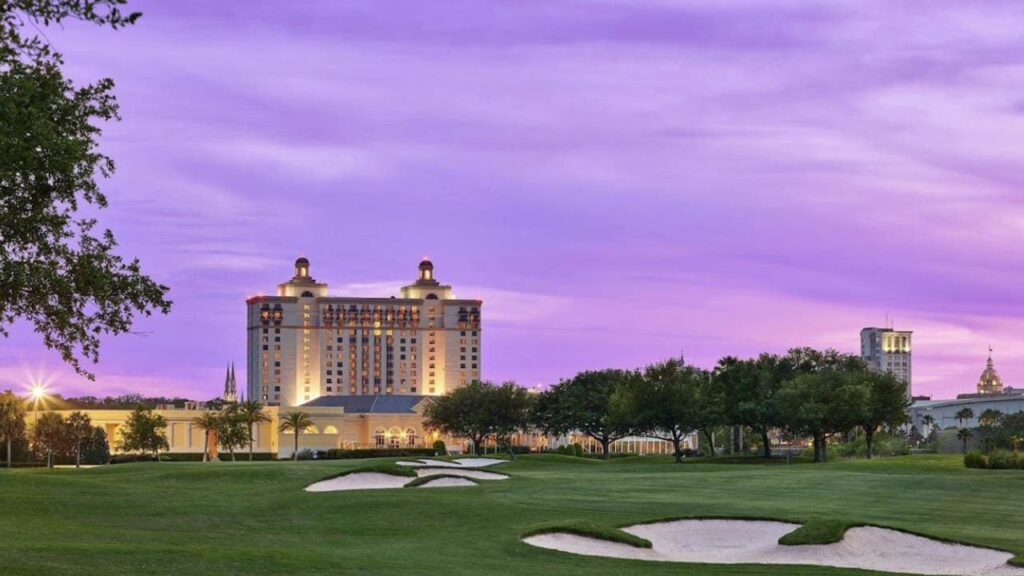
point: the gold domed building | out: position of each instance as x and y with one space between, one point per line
990 382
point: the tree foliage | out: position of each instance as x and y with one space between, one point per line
58 271
479 410
664 402
49 435
295 422
251 413
143 431
12 421
584 404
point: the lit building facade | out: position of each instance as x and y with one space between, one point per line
888 350
303 344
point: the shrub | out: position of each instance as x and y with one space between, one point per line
127 458
439 448
244 456
343 454
181 457
571 450
1003 460
975 459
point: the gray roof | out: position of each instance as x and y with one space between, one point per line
371 403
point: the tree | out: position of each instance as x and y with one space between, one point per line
209 423
819 404
95 449
508 408
964 435
748 388
663 403
78 428
989 417
56 270
251 412
710 409
584 404
885 402
143 431
12 419
296 422
929 421
48 433
462 412
232 431
963 415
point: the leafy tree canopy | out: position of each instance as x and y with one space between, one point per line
58 270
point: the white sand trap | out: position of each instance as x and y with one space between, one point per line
478 474
359 481
445 482
480 462
756 542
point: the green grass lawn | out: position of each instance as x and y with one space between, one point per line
242 518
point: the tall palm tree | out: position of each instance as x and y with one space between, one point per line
297 422
963 435
12 419
207 422
928 421
251 412
963 415
989 417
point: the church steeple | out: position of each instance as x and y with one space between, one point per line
230 389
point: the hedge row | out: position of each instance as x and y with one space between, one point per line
347 454
995 460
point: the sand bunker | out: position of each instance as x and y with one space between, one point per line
460 463
444 482
359 481
478 474
378 480
756 542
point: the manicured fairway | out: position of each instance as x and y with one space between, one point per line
242 518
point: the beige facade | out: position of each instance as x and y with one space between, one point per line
333 428
303 344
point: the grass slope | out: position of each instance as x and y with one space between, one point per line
591 530
425 479
255 518
816 532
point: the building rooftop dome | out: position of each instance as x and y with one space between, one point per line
426 264
990 382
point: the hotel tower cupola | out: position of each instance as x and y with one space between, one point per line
426 274
302 284
301 268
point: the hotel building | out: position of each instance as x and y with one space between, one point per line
888 350
303 344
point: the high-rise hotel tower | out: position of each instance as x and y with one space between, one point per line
303 344
888 350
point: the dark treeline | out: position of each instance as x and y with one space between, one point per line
805 393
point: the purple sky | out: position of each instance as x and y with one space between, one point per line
619 180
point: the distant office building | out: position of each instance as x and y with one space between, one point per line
304 344
888 350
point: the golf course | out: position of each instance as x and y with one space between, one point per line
257 518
